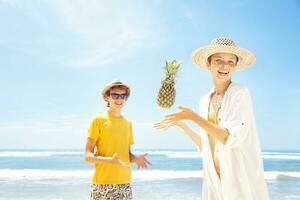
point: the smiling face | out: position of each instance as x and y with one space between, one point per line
222 65
117 97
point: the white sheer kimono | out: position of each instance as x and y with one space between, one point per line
241 167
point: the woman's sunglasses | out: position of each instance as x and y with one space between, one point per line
118 96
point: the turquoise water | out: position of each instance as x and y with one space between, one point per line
175 174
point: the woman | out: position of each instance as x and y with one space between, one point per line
232 164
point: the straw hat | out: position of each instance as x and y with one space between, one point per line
113 83
223 45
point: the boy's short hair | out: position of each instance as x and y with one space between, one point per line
119 87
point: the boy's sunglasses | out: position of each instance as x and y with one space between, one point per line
118 96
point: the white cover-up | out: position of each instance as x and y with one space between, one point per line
241 166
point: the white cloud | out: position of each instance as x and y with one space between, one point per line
9 2
110 32
66 131
69 131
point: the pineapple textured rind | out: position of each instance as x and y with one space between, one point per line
167 93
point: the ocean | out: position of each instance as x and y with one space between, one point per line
174 174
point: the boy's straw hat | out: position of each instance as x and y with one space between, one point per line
113 83
223 45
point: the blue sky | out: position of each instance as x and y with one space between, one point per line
56 56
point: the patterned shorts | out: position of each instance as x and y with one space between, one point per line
111 192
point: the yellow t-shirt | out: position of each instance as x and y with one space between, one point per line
113 135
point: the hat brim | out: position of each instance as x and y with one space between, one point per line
200 55
108 87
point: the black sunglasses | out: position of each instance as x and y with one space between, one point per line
118 96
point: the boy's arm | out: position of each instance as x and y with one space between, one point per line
141 161
132 157
90 157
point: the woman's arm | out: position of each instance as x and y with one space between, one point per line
193 135
219 133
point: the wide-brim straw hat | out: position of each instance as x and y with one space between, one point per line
115 82
223 45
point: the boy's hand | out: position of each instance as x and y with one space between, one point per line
115 160
141 161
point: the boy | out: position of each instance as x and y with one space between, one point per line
108 146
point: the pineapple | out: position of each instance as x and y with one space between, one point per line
167 93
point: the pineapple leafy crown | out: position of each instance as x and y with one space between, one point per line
171 69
